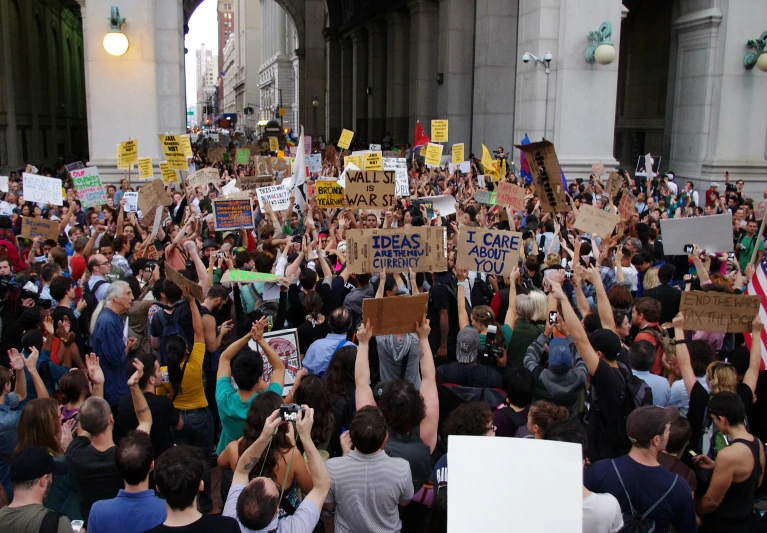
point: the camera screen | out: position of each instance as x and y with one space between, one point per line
731 256
688 248
552 317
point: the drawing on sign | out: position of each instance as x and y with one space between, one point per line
88 185
232 214
372 189
488 251
41 190
422 248
285 343
328 194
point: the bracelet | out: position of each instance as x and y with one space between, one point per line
679 341
460 283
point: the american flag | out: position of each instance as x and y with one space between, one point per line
758 287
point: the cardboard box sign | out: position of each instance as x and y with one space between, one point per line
614 184
627 206
488 251
152 194
547 175
251 183
511 195
718 311
424 249
395 314
370 189
174 276
39 227
595 221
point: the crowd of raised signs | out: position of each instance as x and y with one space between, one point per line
137 359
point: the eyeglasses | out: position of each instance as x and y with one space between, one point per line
104 264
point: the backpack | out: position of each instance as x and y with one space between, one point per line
89 295
662 341
634 522
481 292
50 523
170 327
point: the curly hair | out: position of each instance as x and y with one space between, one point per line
471 418
339 377
402 406
312 391
260 409
543 414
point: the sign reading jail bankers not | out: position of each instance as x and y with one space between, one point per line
488 251
127 154
174 151
424 249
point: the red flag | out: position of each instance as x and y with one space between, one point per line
421 139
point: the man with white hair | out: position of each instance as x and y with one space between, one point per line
108 340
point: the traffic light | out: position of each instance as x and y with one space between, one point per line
285 131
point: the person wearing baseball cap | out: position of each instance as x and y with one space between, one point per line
466 371
32 471
638 481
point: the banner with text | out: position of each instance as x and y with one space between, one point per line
233 214
88 185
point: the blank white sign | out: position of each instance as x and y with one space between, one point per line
506 484
712 233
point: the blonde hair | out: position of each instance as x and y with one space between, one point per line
651 280
539 299
552 259
721 377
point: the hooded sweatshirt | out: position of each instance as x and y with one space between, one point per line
561 389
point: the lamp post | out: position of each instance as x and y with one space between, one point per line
546 62
115 41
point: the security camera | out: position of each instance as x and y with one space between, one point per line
548 57
526 58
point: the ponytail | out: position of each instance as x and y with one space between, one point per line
543 414
95 315
175 350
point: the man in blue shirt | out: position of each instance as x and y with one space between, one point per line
642 354
320 352
108 340
136 508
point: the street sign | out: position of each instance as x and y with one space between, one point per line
190 112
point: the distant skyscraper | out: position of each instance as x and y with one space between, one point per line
225 29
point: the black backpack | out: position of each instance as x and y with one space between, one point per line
89 295
634 522
170 327
481 292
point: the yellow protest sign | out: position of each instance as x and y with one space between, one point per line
328 193
168 174
127 154
422 151
373 161
433 154
174 152
274 144
346 139
439 131
354 160
458 153
280 154
186 144
145 168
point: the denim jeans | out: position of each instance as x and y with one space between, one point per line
198 431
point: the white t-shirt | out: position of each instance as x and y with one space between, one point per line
630 275
6 208
601 514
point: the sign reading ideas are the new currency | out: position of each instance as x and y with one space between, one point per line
424 249
88 185
547 175
174 151
41 189
488 251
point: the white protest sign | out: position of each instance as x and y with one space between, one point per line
42 190
277 195
481 180
523 483
314 162
375 147
711 233
445 204
131 201
399 166
342 177
3 183
230 188
464 167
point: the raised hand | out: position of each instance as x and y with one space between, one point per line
93 366
134 379
364 332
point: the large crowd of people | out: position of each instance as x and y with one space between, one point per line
121 392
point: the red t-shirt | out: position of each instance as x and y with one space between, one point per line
77 267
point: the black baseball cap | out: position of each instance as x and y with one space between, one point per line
606 341
34 462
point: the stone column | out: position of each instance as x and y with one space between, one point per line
376 81
359 81
311 77
13 154
397 75
333 92
719 115
424 31
346 84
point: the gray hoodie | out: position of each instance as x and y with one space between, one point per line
561 389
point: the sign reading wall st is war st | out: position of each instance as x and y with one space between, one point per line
424 249
370 189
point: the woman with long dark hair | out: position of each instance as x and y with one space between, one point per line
311 391
339 382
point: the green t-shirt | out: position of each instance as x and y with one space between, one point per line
505 328
747 250
233 410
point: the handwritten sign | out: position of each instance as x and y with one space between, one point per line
424 249
547 175
614 184
433 155
174 152
127 154
215 154
346 139
458 153
168 174
145 171
399 166
439 131
314 163
718 311
131 201
627 206
203 176
233 214
39 227
42 190
760 209
251 183
372 189
88 185
595 221
486 197
186 145
276 195
246 276
152 195
328 193
488 251
274 144
598 169
390 316
373 161
242 156
511 195
174 276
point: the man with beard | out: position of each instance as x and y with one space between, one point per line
32 472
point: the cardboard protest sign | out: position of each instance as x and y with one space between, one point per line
328 193
372 189
488 251
627 206
458 153
433 154
711 233
595 221
127 154
32 227
511 195
314 163
74 166
233 214
168 174
285 343
186 145
215 154
88 185
174 152
614 184
439 131
517 486
424 249
247 276
547 175
486 197
251 183
41 190
242 156
174 276
152 195
131 201
399 166
277 195
641 168
145 171
346 139
598 169
398 314
202 177
373 161
760 209
718 311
